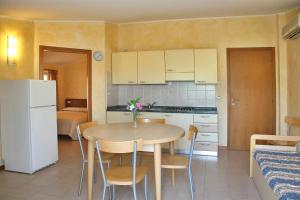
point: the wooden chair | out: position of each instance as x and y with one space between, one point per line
121 175
106 157
183 162
154 121
148 148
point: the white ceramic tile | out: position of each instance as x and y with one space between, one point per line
174 93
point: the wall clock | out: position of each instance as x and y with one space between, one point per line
98 55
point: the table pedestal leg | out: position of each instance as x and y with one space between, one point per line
157 169
91 154
171 147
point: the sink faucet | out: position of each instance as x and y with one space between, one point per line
150 105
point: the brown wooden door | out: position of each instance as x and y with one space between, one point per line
251 98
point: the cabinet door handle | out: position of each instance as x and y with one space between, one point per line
168 115
203 125
205 135
127 114
170 70
131 82
201 81
143 82
204 116
205 144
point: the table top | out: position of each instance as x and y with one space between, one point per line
150 133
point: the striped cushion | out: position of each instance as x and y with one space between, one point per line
282 172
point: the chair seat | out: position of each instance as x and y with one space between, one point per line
123 175
174 162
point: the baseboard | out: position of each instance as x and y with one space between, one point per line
223 147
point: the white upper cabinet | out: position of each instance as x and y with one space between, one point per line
124 68
206 66
179 64
151 67
180 60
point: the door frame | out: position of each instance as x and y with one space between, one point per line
228 50
86 52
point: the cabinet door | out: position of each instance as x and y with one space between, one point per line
118 117
124 68
206 66
184 121
151 67
181 60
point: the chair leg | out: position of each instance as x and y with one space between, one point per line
145 190
110 192
104 191
81 178
191 183
173 177
134 191
95 172
140 158
120 161
113 192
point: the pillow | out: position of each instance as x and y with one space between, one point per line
298 146
75 109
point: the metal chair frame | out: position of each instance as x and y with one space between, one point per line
85 161
189 168
190 173
107 185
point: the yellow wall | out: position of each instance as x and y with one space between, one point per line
71 79
293 69
75 80
23 30
60 83
293 52
83 35
218 33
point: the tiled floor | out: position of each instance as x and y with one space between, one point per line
225 178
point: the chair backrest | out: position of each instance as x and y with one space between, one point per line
119 147
80 128
147 120
193 131
291 122
86 125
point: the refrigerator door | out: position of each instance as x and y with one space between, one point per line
43 136
42 93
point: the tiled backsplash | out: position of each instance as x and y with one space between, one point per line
172 94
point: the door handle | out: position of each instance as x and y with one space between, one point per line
234 101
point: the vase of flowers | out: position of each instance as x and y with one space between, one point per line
135 106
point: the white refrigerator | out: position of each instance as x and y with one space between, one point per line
28 124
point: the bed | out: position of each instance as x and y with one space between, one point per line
275 169
74 113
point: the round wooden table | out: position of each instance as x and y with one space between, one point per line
154 134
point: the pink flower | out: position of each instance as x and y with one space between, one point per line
139 105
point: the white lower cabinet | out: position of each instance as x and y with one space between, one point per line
118 117
207 137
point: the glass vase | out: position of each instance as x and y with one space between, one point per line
134 114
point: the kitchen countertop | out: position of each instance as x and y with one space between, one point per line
168 109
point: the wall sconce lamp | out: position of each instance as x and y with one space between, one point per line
11 50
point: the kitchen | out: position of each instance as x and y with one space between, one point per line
177 85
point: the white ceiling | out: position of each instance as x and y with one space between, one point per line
139 10
61 58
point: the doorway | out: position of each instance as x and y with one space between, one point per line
251 94
50 54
